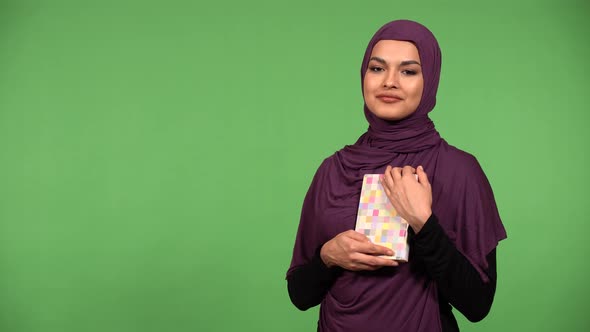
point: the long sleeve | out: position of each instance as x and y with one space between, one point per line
458 282
308 284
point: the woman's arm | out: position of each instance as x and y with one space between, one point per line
308 284
457 280
350 250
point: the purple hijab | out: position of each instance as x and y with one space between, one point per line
398 299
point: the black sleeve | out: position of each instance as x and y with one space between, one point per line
308 284
458 282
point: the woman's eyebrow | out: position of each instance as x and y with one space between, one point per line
378 59
403 63
410 62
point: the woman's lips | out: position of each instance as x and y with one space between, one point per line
389 99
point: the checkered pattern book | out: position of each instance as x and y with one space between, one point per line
379 221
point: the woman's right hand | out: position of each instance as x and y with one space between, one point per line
354 251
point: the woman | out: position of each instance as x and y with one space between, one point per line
440 190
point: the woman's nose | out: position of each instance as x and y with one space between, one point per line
391 80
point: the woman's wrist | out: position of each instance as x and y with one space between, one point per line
324 256
419 221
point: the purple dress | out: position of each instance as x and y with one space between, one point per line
401 299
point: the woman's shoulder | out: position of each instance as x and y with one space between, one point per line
458 161
324 167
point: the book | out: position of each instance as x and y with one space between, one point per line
379 221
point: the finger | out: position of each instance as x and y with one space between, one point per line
386 189
356 236
388 178
366 267
382 261
374 261
380 250
387 174
422 176
371 248
408 170
396 173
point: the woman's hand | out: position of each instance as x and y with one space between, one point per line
411 197
354 251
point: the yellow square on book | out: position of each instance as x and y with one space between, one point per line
383 226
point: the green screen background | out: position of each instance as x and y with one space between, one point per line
154 156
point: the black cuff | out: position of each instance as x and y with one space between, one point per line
429 229
321 270
432 247
309 283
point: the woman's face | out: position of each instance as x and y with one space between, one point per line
393 83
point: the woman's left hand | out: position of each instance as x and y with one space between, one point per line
410 196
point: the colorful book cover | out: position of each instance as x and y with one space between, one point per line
378 220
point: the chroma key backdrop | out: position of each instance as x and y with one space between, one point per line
154 155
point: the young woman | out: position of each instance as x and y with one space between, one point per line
440 190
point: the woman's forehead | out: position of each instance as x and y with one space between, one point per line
395 49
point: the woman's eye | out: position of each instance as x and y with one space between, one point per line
409 72
375 69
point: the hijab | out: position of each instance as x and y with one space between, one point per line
401 298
